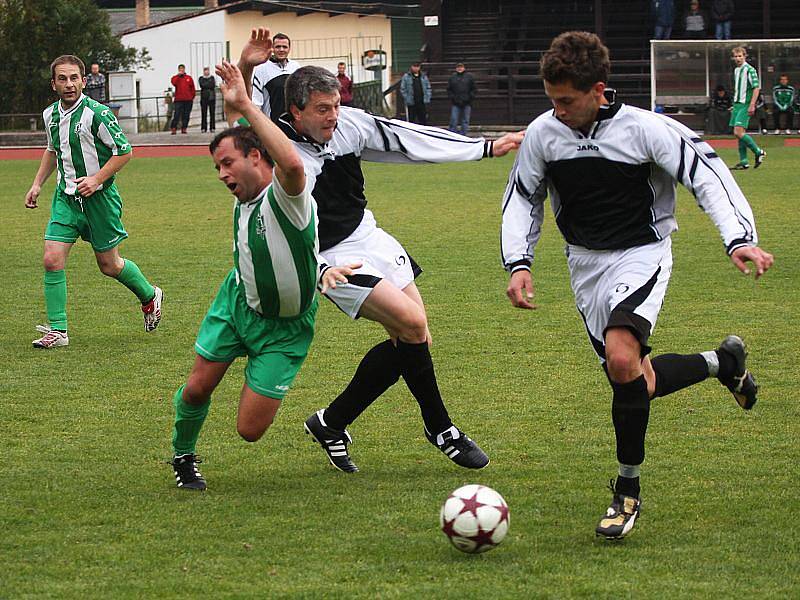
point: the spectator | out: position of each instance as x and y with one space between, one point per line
783 97
183 99
722 15
208 100
416 91
694 21
346 84
96 84
168 106
664 12
719 112
461 91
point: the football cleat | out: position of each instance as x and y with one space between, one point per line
187 477
740 166
760 159
52 338
742 384
152 310
620 517
333 441
459 448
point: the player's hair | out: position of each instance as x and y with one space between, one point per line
67 59
281 36
741 49
244 140
307 80
577 57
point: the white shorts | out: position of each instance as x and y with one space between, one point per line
381 257
620 288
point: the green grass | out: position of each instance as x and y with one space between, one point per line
88 507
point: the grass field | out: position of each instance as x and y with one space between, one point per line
88 506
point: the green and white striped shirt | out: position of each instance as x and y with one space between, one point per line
275 251
745 80
83 138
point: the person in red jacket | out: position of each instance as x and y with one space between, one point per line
346 92
183 99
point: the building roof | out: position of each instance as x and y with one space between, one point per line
267 7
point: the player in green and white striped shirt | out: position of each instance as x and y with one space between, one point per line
745 93
86 144
266 306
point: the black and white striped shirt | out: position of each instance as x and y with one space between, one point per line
616 187
336 165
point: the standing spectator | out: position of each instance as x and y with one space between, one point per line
722 15
169 107
719 111
461 90
346 84
183 99
208 100
96 84
664 13
694 21
416 91
783 98
269 77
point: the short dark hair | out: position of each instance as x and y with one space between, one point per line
305 81
244 140
281 36
416 64
341 63
181 65
67 59
577 57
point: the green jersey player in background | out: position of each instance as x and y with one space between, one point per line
87 146
745 92
266 306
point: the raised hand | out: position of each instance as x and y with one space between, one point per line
258 48
233 89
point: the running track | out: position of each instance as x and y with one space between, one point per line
167 151
139 151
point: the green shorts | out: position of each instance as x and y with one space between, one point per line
739 116
276 348
96 219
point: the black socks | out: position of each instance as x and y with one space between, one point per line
677 371
630 411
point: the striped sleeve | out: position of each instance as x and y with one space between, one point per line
395 141
109 132
752 76
693 163
523 205
298 209
48 112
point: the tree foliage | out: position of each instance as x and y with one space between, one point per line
34 32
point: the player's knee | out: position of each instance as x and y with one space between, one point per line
414 326
197 391
252 432
53 261
622 366
110 268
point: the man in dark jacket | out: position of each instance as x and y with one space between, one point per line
208 100
184 97
722 15
461 91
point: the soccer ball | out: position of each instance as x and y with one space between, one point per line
474 518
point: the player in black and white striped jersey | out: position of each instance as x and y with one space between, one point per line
611 172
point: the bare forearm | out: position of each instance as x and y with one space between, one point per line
46 168
113 166
247 74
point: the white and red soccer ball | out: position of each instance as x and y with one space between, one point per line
474 518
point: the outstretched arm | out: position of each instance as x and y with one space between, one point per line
46 168
289 168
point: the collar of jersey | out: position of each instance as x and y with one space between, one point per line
63 112
286 122
261 195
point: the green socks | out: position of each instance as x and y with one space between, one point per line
55 298
131 277
745 143
188 422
